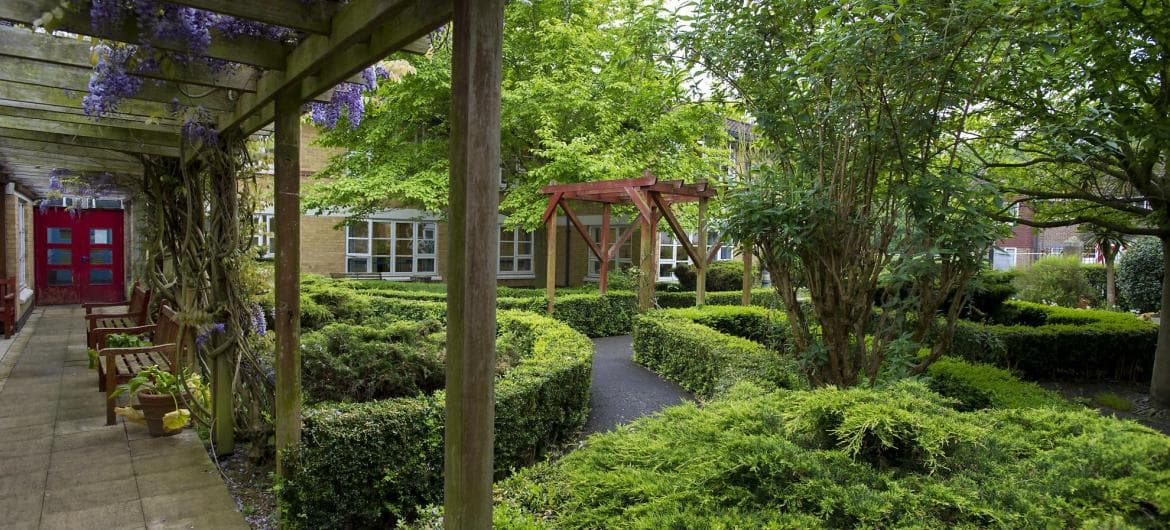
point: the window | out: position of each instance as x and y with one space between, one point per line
671 252
515 252
625 254
21 249
264 239
392 247
1004 258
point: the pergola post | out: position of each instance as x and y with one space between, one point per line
746 249
701 266
647 265
603 280
287 206
550 267
473 260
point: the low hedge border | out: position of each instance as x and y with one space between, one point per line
707 362
1045 342
369 465
981 386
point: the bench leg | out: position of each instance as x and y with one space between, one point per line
111 383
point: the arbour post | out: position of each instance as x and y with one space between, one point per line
648 268
746 249
474 257
603 280
550 268
287 206
701 266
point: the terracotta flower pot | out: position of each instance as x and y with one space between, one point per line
154 407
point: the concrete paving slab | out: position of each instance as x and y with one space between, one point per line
85 496
118 516
22 507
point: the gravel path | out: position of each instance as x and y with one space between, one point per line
624 390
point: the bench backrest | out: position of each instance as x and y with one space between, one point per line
167 326
139 303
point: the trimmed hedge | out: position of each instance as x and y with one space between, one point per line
369 465
705 361
1045 342
895 457
981 386
753 323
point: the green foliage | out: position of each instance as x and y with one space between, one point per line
1113 401
990 290
757 324
586 96
1139 275
707 362
345 362
1045 342
854 458
721 276
1095 276
369 465
1056 280
980 386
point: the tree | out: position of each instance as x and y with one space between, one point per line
866 200
1109 243
588 94
1079 124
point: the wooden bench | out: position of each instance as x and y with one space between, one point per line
103 315
119 365
8 294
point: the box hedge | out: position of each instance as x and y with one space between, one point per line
981 386
369 465
705 361
1046 342
894 457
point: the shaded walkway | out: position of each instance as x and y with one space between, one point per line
623 390
61 466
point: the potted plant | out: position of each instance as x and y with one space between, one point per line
159 392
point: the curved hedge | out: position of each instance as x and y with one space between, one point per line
369 465
707 362
1043 342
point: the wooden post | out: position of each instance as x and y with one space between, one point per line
550 272
287 206
648 266
472 263
701 267
746 249
603 281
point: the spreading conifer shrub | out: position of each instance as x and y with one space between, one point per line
895 457
371 464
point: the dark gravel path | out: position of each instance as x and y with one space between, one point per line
622 389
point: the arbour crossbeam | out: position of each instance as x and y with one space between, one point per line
652 200
44 76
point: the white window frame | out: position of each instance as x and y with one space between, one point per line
21 242
593 265
680 250
418 231
511 248
264 235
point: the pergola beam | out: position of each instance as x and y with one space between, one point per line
312 17
34 96
55 149
81 164
83 141
363 32
252 51
67 117
97 132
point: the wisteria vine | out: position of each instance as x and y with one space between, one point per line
68 183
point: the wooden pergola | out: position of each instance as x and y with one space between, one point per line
43 77
652 200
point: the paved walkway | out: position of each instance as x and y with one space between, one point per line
61 466
623 390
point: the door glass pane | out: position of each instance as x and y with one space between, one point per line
103 256
60 256
101 276
60 277
101 236
61 236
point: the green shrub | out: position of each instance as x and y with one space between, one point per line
1046 342
1113 401
705 361
980 386
854 458
1139 275
344 362
1056 280
369 465
754 323
721 276
989 291
763 297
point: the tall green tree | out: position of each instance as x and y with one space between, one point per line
1078 124
867 201
589 93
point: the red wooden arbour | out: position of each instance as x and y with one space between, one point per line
652 200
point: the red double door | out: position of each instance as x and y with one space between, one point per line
79 256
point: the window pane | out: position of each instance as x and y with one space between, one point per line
404 248
60 256
404 230
666 253
361 229
426 247
594 267
664 270
60 236
507 248
524 265
427 231
357 265
101 236
524 249
381 247
382 230
507 264
359 246
506 235
382 264
102 256
60 277
426 265
664 238
403 264
101 276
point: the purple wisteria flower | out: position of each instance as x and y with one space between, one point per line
259 320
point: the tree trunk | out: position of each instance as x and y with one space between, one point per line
1110 278
1160 380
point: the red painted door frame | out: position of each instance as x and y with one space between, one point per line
79 256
